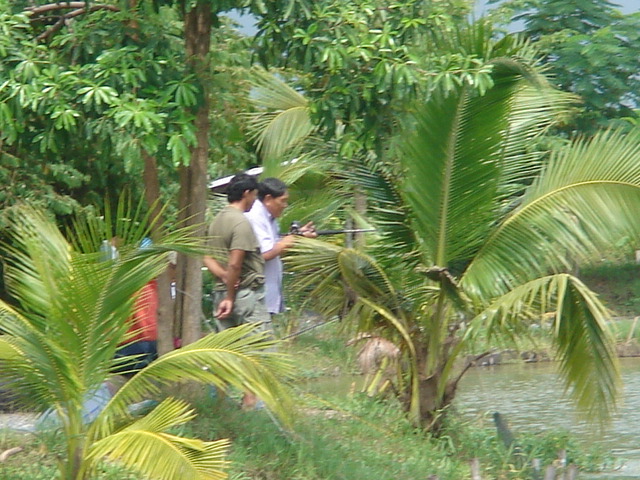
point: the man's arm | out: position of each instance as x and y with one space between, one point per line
279 247
234 267
215 268
309 231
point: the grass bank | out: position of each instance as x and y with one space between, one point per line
337 433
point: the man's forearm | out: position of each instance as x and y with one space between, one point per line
279 247
234 268
233 279
214 267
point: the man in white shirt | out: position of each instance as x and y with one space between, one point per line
273 198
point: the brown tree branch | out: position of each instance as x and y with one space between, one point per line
81 7
64 5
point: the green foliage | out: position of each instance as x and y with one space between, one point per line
338 435
476 231
479 439
72 313
618 285
77 112
591 50
363 60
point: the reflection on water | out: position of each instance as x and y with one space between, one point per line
531 397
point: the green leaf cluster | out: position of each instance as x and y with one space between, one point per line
71 313
591 50
92 98
365 59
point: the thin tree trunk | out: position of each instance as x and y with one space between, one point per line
165 302
360 206
193 178
151 181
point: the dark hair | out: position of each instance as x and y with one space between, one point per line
271 186
239 184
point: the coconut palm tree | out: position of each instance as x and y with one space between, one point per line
70 313
477 232
477 226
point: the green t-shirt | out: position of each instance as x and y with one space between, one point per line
230 230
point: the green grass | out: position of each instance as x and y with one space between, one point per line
335 434
617 285
344 434
37 460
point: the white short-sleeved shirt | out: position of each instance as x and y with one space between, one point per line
268 233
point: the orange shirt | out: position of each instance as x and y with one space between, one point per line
145 314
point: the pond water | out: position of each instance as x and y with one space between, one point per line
531 398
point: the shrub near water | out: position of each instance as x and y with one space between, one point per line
479 439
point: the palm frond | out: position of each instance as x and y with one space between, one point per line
65 345
309 179
37 257
146 447
533 112
585 347
367 279
579 205
286 122
451 170
73 312
320 267
393 222
237 357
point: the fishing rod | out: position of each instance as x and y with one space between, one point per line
295 229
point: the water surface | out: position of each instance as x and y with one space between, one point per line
531 398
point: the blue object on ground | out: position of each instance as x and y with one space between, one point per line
94 403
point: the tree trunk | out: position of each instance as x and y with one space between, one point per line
193 177
434 407
360 206
151 181
165 302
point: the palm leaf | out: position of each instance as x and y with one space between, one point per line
63 345
393 222
238 357
533 112
145 447
59 343
588 361
366 278
578 206
285 123
315 264
451 172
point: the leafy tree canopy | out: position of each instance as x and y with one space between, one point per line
362 59
591 50
79 106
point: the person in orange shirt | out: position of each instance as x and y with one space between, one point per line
144 328
143 344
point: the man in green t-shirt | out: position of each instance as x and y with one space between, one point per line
235 259
237 264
